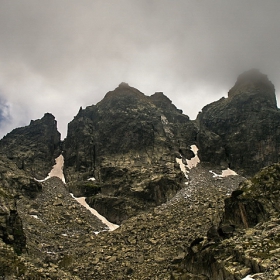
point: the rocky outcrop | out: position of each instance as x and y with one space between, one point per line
34 147
247 238
128 142
128 136
242 131
62 244
14 183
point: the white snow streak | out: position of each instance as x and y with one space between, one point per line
193 162
248 277
190 163
82 201
225 173
57 170
182 167
91 179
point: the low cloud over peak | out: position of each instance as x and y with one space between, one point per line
60 55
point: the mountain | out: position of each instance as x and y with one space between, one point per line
242 131
183 213
128 142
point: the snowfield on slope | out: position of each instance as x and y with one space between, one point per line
57 171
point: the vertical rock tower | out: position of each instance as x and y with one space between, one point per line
242 131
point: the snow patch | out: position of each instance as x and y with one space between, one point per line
193 162
228 172
82 201
182 167
35 216
57 170
248 277
91 179
190 163
225 173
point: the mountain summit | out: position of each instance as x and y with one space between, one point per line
128 143
254 83
242 131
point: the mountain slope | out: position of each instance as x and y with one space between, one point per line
247 240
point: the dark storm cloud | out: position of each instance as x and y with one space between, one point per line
57 55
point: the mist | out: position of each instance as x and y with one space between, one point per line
56 56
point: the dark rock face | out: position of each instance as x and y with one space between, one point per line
11 231
14 183
128 142
242 131
34 147
244 212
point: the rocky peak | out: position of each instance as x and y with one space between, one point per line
48 119
34 147
160 97
121 141
163 102
124 91
242 131
253 82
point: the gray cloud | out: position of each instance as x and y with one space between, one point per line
59 55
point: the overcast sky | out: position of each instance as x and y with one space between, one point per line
58 55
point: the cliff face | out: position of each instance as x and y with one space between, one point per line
242 131
12 181
13 184
128 142
34 147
